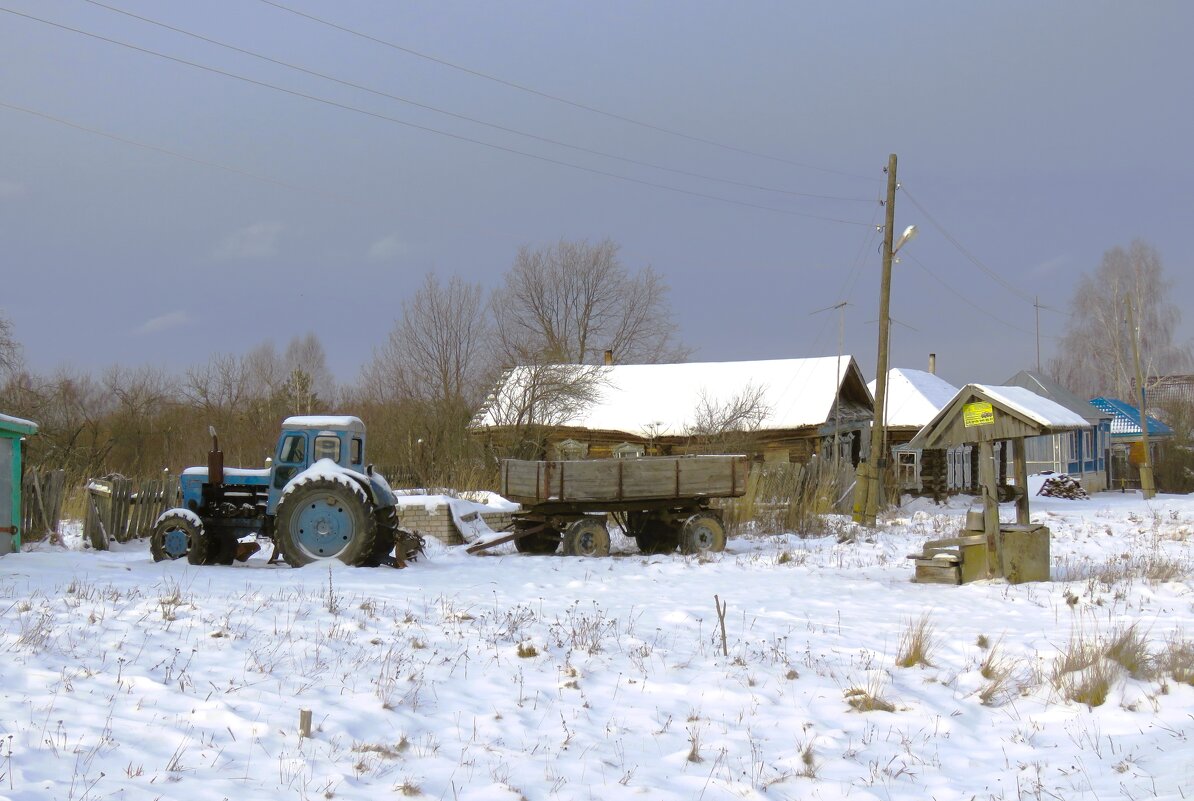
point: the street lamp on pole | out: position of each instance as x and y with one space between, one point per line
876 458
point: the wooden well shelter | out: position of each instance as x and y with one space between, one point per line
13 431
981 415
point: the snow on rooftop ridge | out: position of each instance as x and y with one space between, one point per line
1038 408
19 422
914 397
663 399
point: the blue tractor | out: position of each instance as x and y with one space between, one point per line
317 501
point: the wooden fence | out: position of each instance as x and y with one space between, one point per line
42 493
120 510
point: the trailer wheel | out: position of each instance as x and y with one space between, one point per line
324 519
702 533
586 537
173 536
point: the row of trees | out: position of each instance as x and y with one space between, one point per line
565 303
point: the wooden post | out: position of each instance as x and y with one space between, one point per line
1020 460
986 472
877 458
304 723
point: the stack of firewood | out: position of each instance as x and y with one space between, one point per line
1062 486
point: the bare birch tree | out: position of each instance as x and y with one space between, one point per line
1095 355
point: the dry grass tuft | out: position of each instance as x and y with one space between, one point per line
1084 673
1129 650
527 650
916 643
1177 660
1000 672
868 700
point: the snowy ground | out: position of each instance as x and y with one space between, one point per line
511 677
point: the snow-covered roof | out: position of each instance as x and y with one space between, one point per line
1040 414
1035 407
1048 388
1125 419
328 421
913 397
663 399
18 424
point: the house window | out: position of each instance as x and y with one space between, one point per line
907 471
628 450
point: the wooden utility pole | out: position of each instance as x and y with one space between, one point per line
1147 488
877 458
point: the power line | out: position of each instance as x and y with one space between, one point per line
166 151
555 98
467 118
967 300
424 128
992 273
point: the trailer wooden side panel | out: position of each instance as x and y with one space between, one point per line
644 478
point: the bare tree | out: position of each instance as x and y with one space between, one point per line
529 400
1095 355
425 382
10 349
435 351
309 383
570 302
726 425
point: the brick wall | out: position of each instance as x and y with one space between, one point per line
437 522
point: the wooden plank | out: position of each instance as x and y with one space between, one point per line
625 479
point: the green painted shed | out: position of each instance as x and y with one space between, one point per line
13 431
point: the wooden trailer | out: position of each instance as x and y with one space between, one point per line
661 501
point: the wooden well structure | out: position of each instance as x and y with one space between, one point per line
981 415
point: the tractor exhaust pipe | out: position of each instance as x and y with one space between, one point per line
215 460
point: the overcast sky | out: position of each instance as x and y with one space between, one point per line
1033 137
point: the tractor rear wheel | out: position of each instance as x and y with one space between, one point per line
586 537
173 536
325 519
702 533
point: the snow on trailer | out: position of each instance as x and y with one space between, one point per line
660 501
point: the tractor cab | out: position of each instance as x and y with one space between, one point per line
306 440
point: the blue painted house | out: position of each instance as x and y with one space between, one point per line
1081 454
1125 433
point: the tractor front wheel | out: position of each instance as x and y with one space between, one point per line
173 536
325 519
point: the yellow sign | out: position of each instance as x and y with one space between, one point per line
978 414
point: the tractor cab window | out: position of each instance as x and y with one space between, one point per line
294 450
327 448
358 450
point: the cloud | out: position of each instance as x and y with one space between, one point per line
387 248
164 322
11 189
256 241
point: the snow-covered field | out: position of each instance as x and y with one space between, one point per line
511 677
